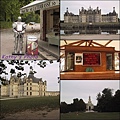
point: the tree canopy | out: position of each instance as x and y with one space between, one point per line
19 65
10 10
108 102
77 105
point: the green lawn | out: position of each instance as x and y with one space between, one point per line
32 103
91 116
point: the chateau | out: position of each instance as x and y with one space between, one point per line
90 16
28 86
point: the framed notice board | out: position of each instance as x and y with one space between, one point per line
91 59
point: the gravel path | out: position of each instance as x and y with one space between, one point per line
34 115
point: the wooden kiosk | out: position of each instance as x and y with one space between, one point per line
49 19
86 59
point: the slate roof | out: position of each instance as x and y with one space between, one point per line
15 78
34 79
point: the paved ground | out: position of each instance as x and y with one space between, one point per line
7 45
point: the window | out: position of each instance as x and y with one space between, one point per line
27 88
30 88
30 93
27 93
109 61
90 19
117 61
70 61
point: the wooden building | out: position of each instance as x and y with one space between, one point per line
86 59
49 19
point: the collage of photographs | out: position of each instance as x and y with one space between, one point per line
60 60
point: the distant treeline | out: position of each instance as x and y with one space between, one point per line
106 102
77 105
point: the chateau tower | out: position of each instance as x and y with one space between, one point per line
113 9
89 105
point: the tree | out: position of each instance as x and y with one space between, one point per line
77 105
63 107
82 105
19 65
107 102
116 101
10 9
104 100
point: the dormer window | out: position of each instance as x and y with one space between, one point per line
30 80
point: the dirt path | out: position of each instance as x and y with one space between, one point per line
34 115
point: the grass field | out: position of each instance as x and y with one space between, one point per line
32 103
91 116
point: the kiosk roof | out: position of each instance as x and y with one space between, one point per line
38 5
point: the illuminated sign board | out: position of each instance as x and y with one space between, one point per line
92 59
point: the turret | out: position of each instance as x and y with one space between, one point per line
89 101
66 13
90 8
45 82
113 9
67 9
114 12
31 71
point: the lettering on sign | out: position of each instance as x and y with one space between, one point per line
30 9
53 3
39 6
46 5
27 10
91 59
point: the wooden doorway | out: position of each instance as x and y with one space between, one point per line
44 24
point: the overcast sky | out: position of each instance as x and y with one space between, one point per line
82 89
106 6
50 73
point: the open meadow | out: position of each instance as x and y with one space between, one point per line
39 105
90 116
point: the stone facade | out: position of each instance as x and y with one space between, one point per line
89 105
90 16
28 86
